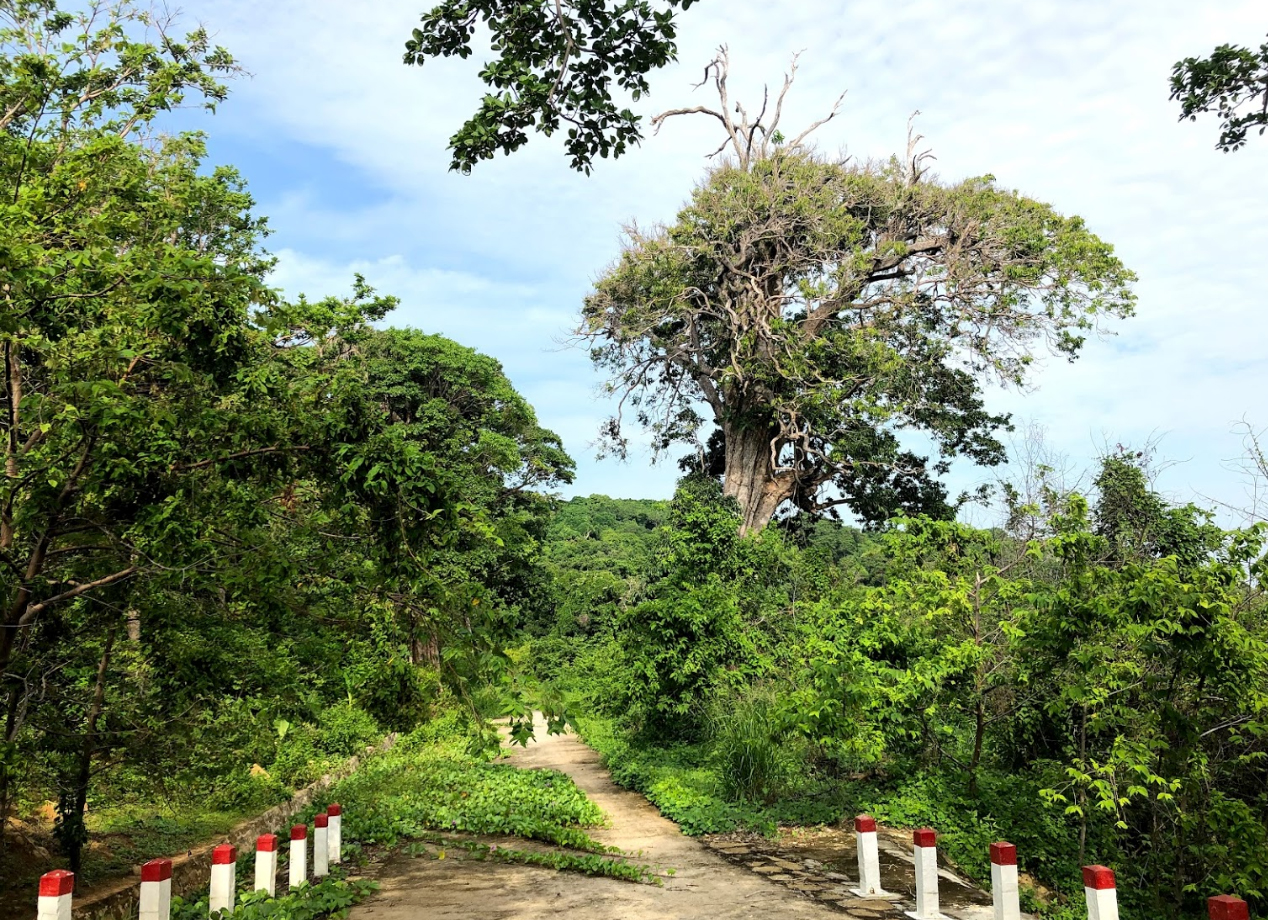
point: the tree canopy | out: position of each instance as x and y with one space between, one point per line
813 309
558 62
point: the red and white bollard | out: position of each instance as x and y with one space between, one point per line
1227 907
266 864
224 877
925 859
335 811
156 890
56 890
321 845
1005 896
299 856
869 857
1102 894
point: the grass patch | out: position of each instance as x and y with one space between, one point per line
426 787
687 784
421 787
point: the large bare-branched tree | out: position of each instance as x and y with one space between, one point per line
814 308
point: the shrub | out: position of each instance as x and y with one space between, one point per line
346 729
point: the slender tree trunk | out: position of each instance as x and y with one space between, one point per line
6 779
979 734
979 730
84 772
749 476
13 389
1081 798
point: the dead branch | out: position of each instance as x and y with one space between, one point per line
751 141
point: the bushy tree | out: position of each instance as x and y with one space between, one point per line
814 309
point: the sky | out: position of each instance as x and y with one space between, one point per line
1066 101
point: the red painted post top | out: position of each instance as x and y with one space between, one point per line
1227 907
266 843
1003 853
865 824
925 837
57 883
1098 877
156 870
321 820
334 809
299 832
224 854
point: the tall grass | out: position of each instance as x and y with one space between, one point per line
755 761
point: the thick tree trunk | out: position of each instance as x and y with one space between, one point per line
750 478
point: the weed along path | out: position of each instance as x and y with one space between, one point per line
718 882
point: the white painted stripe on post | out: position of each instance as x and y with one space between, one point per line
925 862
224 870
156 890
869 857
1101 893
335 838
298 871
321 846
266 864
56 891
1005 896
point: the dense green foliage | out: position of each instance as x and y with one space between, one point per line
240 538
1094 693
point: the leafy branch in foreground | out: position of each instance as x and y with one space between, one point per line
556 63
1233 81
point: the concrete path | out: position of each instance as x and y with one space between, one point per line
705 885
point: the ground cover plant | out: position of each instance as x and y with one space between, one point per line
430 793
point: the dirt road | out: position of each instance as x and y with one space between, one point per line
705 885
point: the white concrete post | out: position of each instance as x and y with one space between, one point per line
266 864
1227 907
335 838
321 845
56 890
869 857
1102 894
299 856
925 858
1004 893
156 890
224 871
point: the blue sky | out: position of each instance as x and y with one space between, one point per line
1066 101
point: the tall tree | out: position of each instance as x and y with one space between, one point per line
126 283
557 61
1233 81
813 309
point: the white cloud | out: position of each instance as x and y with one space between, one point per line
1066 101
